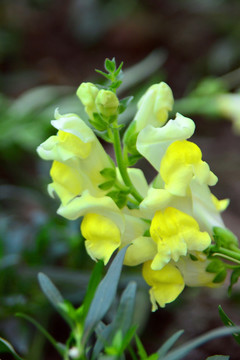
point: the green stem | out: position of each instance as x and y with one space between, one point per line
229 254
122 166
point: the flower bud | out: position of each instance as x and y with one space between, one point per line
87 93
107 103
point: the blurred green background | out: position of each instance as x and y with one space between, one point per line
47 48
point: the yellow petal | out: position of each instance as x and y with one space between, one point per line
102 236
181 163
141 249
166 284
67 182
175 232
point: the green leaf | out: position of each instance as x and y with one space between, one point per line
58 346
162 351
122 321
118 71
228 322
54 296
141 351
6 347
92 286
183 350
104 294
107 76
110 65
123 104
234 279
50 290
218 357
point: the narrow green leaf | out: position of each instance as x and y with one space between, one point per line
228 322
58 346
162 351
54 296
104 295
183 350
218 357
103 74
50 290
117 72
141 351
6 347
122 321
92 285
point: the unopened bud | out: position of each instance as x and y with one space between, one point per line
107 103
87 93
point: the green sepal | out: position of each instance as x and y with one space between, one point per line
234 279
133 159
119 197
193 257
98 122
228 322
215 266
106 185
108 173
220 277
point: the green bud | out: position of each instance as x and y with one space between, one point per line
107 103
87 93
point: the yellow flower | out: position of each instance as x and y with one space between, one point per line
74 151
175 233
181 163
166 284
102 236
153 107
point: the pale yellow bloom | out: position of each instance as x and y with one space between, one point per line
166 284
74 151
153 107
175 233
181 163
153 142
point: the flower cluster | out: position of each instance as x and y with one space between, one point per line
169 222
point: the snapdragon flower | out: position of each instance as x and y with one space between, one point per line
169 223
